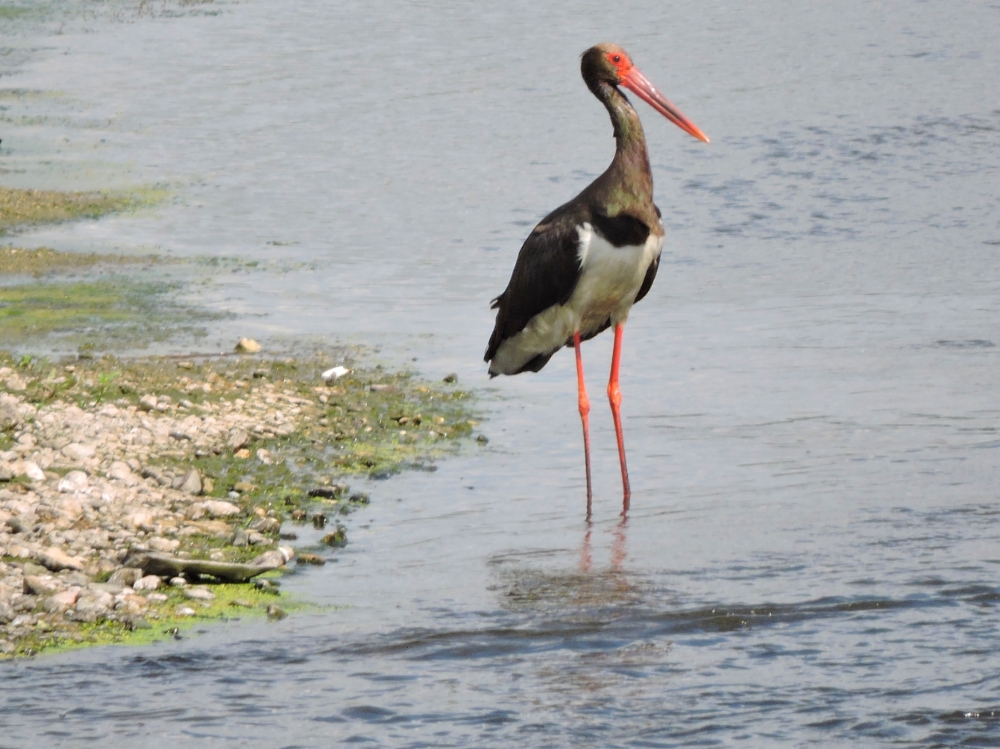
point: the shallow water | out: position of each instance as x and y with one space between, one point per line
810 388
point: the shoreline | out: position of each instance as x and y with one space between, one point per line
107 464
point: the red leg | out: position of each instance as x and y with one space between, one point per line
585 556
615 396
584 404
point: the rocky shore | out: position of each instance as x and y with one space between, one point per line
108 466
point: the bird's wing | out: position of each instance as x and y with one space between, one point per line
545 274
647 282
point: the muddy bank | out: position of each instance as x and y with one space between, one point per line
108 464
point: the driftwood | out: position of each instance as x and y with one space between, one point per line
165 565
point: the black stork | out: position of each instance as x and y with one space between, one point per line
583 267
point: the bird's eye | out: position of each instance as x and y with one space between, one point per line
616 59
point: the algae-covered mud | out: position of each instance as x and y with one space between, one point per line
108 467
38 262
86 300
21 208
106 311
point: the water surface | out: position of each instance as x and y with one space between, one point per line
810 388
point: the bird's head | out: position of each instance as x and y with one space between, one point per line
610 64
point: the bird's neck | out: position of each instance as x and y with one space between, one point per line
628 181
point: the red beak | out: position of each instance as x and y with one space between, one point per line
636 82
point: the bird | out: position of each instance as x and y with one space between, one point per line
587 262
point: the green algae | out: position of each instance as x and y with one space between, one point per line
21 208
162 621
39 261
98 313
11 12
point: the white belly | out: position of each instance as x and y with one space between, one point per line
610 279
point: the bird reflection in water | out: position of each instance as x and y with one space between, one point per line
618 554
585 592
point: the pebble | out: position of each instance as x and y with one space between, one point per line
218 508
275 557
337 538
178 582
56 559
266 586
247 346
74 481
102 481
266 525
147 582
28 468
191 483
77 452
199 593
238 439
91 606
122 471
41 585
276 612
126 576
164 545
62 600
331 375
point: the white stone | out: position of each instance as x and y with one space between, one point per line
56 559
140 518
62 600
28 468
93 605
40 585
77 452
163 544
336 373
247 346
199 593
218 508
122 472
149 582
74 481
16 384
192 482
